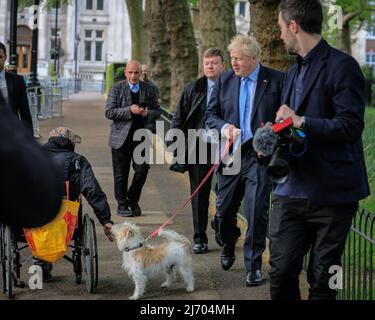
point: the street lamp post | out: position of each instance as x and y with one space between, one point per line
57 47
76 43
33 78
13 36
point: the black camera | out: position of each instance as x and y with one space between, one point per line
276 144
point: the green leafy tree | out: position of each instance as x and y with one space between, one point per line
356 14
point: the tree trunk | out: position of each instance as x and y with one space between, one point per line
216 25
184 64
147 15
345 43
264 27
159 47
135 12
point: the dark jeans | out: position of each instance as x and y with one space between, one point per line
201 201
121 160
297 226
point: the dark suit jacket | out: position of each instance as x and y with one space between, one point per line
29 188
333 104
18 98
224 103
118 109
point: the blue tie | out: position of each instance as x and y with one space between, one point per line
244 110
209 91
134 88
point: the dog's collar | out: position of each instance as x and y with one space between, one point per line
140 245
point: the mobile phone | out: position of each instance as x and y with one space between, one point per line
143 105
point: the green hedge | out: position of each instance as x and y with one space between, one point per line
114 73
369 148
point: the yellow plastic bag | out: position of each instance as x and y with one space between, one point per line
51 241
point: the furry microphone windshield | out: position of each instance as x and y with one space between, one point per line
265 141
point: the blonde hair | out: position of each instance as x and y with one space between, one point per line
250 46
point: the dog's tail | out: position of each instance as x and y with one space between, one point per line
173 235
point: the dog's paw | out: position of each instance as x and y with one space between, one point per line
190 289
166 284
134 297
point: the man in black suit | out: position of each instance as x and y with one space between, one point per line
241 101
129 105
29 187
189 114
313 209
13 89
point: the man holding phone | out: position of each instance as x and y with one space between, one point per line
130 103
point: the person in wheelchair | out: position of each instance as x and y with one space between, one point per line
76 169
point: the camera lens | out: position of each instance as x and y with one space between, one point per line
278 168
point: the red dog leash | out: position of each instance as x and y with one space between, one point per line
226 149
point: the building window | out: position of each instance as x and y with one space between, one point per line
87 50
371 31
370 58
88 4
242 9
100 5
55 32
25 58
98 51
95 5
93 45
88 34
371 28
99 34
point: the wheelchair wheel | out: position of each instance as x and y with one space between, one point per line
90 257
6 259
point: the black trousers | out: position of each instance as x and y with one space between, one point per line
297 226
121 160
201 201
253 186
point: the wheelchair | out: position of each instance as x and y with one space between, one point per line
84 253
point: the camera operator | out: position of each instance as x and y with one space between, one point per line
313 209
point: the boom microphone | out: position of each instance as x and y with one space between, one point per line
265 140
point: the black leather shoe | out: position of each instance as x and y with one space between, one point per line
215 227
227 256
124 211
254 278
200 248
136 209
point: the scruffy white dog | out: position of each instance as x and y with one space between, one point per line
151 260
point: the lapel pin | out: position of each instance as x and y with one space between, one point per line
265 81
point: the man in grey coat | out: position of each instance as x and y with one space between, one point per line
129 104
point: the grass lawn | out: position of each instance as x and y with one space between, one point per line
369 148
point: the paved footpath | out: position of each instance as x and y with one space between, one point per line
163 193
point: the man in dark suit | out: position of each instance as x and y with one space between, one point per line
13 89
129 104
189 114
151 122
29 187
242 100
313 209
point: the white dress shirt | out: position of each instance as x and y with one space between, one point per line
4 87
